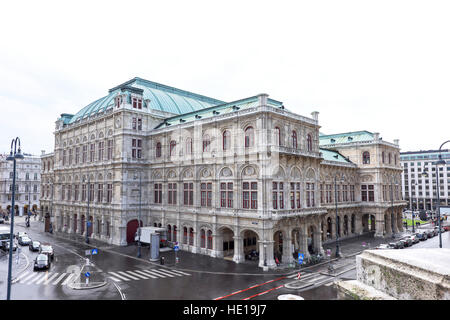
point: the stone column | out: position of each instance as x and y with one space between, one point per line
238 250
400 221
304 240
379 224
287 256
394 223
269 254
387 224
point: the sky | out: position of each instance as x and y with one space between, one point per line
380 66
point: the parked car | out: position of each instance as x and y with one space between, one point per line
42 261
430 233
5 246
405 243
34 245
408 241
24 240
2 220
383 246
20 234
397 244
420 236
46 249
414 238
446 228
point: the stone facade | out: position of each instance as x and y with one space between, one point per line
248 175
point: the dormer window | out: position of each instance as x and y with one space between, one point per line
137 103
118 101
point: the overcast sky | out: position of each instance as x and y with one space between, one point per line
381 66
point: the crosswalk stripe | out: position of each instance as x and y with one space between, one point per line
150 272
146 274
59 279
171 272
317 279
119 276
45 277
127 275
21 276
36 278
51 278
116 280
165 274
23 280
178 271
69 278
138 275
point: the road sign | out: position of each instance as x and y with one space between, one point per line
176 248
298 275
328 252
87 252
301 256
89 224
87 274
94 251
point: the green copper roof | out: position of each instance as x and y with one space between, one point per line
217 110
348 137
330 155
162 98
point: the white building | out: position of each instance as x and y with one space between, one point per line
28 184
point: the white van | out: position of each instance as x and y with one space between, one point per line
146 234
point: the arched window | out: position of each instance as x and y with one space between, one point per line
206 143
188 146
185 236
309 141
277 136
249 137
158 149
366 157
294 139
175 233
382 157
226 139
173 145
202 239
210 240
191 236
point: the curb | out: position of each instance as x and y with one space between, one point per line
82 286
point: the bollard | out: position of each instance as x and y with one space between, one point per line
161 260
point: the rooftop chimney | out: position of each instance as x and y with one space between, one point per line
396 141
376 136
315 115
42 152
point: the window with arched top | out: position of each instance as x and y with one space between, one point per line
169 232
158 149
277 136
294 139
309 142
249 137
366 157
226 140
202 238
173 145
210 240
188 146
206 143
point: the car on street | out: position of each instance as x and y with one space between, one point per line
397 244
34 245
383 246
408 241
5 246
20 234
430 233
447 228
414 238
42 261
47 249
405 243
2 220
24 240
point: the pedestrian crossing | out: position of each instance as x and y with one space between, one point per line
56 278
312 278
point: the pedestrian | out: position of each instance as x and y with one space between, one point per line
35 215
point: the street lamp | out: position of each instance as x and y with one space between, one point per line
338 252
438 209
12 157
392 205
139 214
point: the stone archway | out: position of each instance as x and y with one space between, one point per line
83 224
372 222
225 241
250 240
132 227
353 224
278 245
329 228
310 239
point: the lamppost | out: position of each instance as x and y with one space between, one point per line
392 205
438 209
338 252
12 157
139 214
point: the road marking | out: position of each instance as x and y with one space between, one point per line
122 295
138 275
119 276
20 276
51 278
116 280
59 279
171 272
69 278
154 273
145 273
45 277
186 274
27 277
264 292
258 285
165 274
36 278
127 275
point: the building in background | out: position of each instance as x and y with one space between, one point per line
47 184
28 181
419 191
224 178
